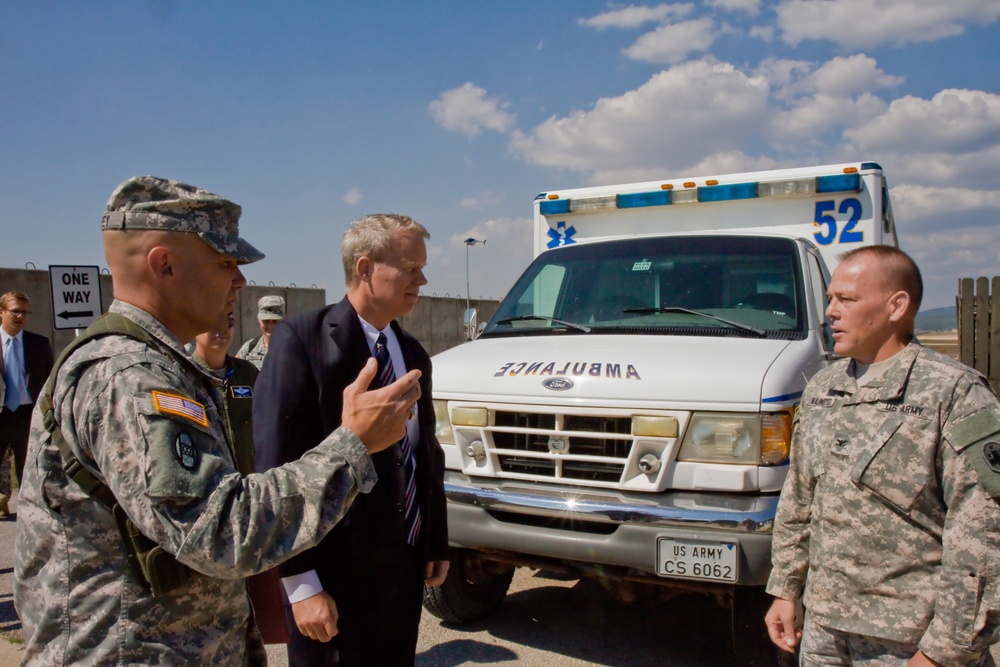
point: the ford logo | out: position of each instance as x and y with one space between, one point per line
558 384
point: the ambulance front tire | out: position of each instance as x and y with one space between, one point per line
752 646
473 590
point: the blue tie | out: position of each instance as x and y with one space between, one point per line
12 375
411 516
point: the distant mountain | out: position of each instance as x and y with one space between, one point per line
937 319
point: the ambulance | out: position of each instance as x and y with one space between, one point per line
626 413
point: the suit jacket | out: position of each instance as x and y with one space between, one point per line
38 362
298 398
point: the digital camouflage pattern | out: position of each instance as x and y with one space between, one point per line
271 307
172 470
882 510
254 351
150 202
823 647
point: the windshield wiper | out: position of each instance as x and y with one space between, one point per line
524 318
678 309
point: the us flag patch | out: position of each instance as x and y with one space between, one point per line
174 404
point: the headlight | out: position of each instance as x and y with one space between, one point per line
737 438
442 425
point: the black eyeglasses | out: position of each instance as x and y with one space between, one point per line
17 312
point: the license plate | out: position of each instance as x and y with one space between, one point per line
691 559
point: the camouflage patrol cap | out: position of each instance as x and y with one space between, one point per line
149 202
271 308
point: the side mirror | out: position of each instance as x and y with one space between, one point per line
470 320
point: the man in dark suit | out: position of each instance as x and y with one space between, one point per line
25 362
355 599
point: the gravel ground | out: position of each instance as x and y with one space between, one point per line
546 621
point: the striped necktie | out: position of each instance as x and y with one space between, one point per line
411 517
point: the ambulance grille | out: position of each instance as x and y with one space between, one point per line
592 449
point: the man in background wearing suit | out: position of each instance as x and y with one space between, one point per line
26 362
355 599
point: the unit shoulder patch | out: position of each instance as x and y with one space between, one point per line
185 451
977 439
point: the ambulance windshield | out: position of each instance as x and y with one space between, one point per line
711 285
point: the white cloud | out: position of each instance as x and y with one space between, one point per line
762 32
838 77
953 121
467 110
851 75
950 232
858 24
469 202
751 7
819 119
921 201
352 197
676 119
673 42
732 162
633 16
781 72
979 169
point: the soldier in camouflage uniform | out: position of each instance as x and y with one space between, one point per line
270 311
887 525
210 349
144 420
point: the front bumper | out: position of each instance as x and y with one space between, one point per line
605 527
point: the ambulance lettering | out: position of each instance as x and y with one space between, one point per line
570 368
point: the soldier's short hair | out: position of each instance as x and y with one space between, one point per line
370 236
902 272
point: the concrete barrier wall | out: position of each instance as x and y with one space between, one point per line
297 300
436 321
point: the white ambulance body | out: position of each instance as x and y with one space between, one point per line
626 413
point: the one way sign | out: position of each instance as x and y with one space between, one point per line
76 296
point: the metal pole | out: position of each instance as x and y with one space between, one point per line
469 242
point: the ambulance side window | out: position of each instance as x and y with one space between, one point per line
818 282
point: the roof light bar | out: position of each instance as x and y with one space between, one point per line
640 199
800 186
592 203
850 181
727 192
554 207
684 196
839 183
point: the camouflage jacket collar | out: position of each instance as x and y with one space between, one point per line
889 387
156 329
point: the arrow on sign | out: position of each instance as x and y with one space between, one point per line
70 314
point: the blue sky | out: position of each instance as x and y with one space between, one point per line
311 114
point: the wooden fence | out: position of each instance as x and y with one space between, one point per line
979 326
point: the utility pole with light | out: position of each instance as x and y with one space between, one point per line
469 242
